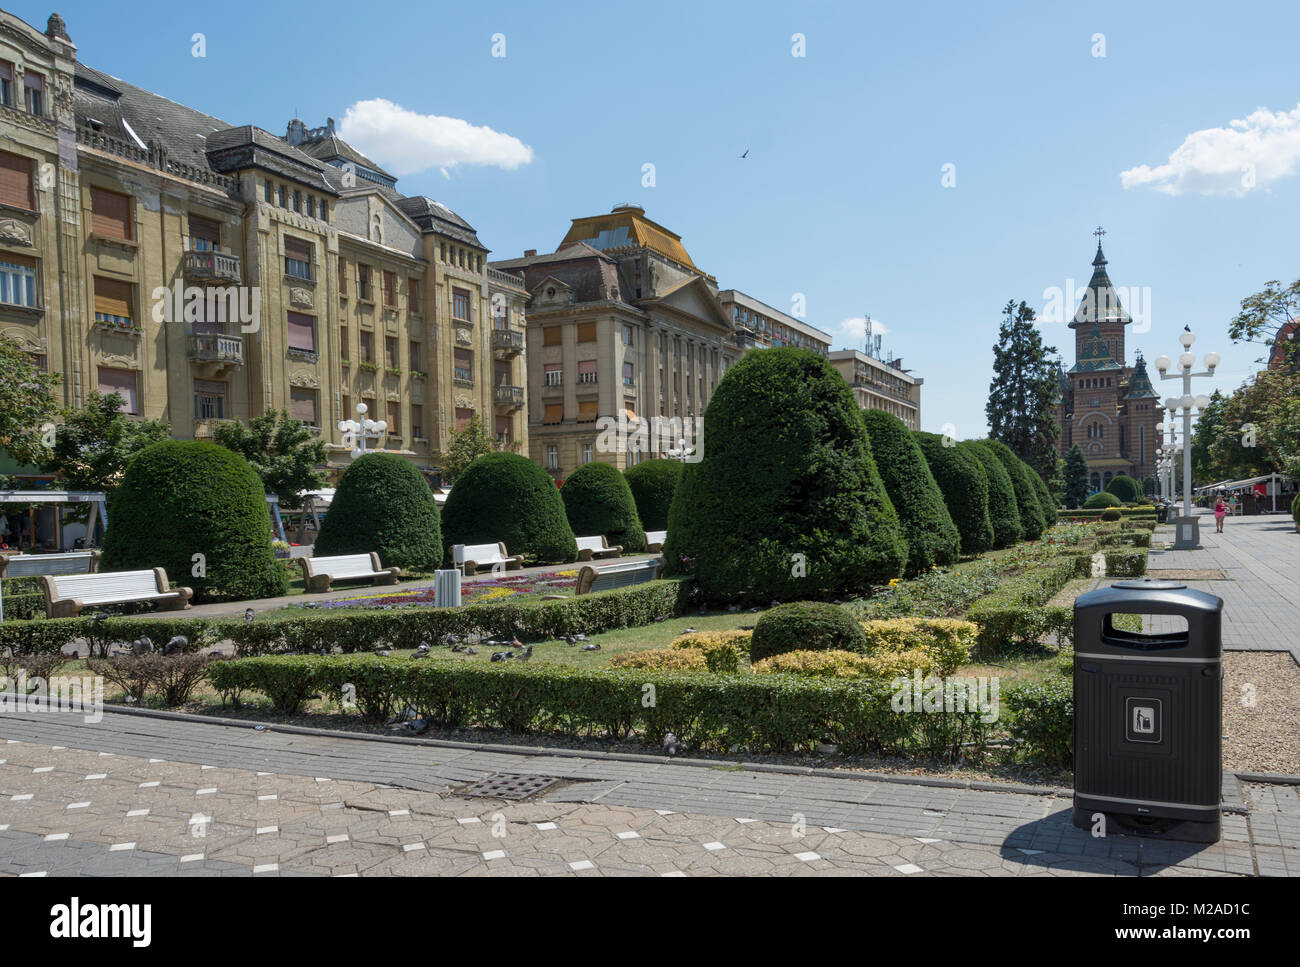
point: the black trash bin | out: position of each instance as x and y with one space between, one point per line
1148 711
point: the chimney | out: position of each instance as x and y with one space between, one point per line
529 252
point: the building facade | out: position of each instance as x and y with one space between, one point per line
759 325
1108 408
881 385
210 272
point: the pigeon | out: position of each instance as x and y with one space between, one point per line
382 652
99 616
75 654
177 644
471 651
746 154
412 726
142 645
570 640
671 745
422 649
419 654
502 655
774 603
579 636
524 655
688 631
591 647
451 640
515 642
248 615
754 610
733 608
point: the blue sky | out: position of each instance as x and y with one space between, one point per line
841 196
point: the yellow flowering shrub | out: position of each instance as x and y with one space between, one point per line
946 641
825 664
888 665
723 650
661 659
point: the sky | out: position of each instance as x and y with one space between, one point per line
921 163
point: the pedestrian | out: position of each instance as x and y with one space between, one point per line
1232 505
1220 511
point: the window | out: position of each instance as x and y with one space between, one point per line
587 371
363 283
588 453
297 258
413 296
209 400
297 201
343 343
324 214
302 405
554 374
113 301
553 414
627 336
311 206
551 336
367 347
110 213
460 305
464 365
302 332
17 186
587 411
34 91
347 406
552 457
6 83
390 289
122 381
416 351
442 251
391 360
503 429
17 280
268 192
463 416
281 191
205 234
627 375
394 419
343 277
417 421
586 332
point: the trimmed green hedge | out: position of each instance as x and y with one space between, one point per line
508 498
1042 718
653 483
181 498
1027 505
931 536
1102 500
383 504
1051 510
965 487
1125 488
1003 512
598 501
1015 614
805 626
22 607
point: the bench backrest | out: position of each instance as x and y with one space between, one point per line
107 586
656 537
482 553
343 564
33 565
591 543
618 575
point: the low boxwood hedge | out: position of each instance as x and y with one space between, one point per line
1042 719
805 626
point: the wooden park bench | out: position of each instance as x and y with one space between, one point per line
38 565
619 575
320 572
590 547
654 541
67 594
477 557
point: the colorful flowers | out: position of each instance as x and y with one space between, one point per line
471 592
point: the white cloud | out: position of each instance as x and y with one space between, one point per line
852 333
1247 154
406 142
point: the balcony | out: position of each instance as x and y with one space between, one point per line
214 352
510 397
507 342
204 267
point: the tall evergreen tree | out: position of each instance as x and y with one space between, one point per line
1021 409
1076 477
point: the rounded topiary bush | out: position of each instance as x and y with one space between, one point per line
805 626
931 535
508 498
965 488
383 504
786 502
1027 505
1003 511
1110 514
597 500
1046 502
179 498
1102 499
653 483
1125 488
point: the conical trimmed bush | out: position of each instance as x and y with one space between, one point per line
383 504
653 483
1030 510
508 498
1002 494
965 487
598 500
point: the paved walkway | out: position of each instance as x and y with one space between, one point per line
1260 559
145 795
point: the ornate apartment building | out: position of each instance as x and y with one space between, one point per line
1110 409
211 272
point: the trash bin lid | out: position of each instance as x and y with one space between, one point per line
1149 584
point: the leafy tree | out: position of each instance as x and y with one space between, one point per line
26 403
465 447
1267 409
1021 408
94 445
1124 487
282 451
1270 317
383 504
1077 485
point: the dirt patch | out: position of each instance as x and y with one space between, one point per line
1261 712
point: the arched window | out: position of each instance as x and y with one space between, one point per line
1096 480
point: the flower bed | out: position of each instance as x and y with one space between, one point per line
474 592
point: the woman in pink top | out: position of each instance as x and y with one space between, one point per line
1220 512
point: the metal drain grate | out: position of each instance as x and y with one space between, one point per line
506 786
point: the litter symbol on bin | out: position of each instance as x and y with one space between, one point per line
1143 719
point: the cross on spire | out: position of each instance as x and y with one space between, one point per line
1099 233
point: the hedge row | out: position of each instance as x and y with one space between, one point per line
1095 513
362 630
716 712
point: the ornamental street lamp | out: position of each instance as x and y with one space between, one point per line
1188 529
357 430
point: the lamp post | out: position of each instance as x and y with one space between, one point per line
360 428
1188 529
